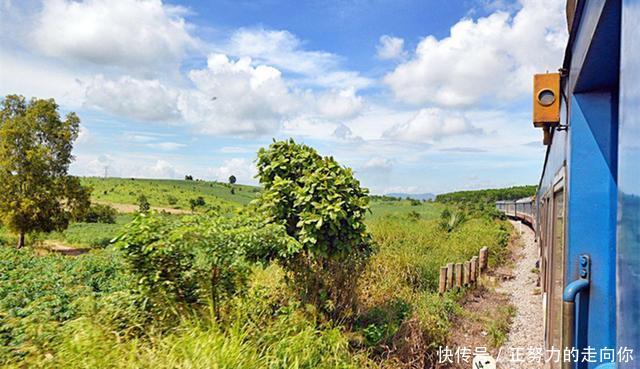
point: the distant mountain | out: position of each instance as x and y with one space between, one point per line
416 196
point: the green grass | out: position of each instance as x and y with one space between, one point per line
91 234
498 327
160 191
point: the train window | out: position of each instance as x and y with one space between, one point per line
556 269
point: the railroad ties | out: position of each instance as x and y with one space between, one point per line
467 274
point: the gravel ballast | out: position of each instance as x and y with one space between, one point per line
527 329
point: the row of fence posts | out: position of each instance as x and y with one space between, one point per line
463 274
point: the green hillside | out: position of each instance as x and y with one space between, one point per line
168 193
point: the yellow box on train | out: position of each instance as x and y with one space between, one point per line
546 99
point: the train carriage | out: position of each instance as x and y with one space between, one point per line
586 212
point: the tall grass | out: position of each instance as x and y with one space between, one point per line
398 292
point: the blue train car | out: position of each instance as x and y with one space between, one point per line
587 207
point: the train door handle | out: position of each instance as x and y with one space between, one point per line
568 304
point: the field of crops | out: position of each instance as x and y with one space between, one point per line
88 311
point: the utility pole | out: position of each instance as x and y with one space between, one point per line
106 171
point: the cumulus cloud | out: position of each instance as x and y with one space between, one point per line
243 169
139 99
129 33
432 124
234 97
390 47
491 57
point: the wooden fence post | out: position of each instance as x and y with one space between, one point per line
484 253
449 276
459 275
466 275
474 269
442 286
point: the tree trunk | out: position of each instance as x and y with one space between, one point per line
21 240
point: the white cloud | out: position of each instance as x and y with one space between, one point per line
234 97
378 164
243 169
492 58
344 133
34 78
139 99
84 136
339 104
432 124
124 166
163 169
390 47
285 51
129 33
140 137
281 49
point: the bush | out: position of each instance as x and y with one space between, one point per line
172 200
198 259
321 205
143 204
98 213
194 203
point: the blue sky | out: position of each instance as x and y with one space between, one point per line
416 96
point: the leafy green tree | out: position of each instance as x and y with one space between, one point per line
143 204
321 205
232 179
36 192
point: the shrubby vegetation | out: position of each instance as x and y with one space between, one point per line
189 262
98 213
